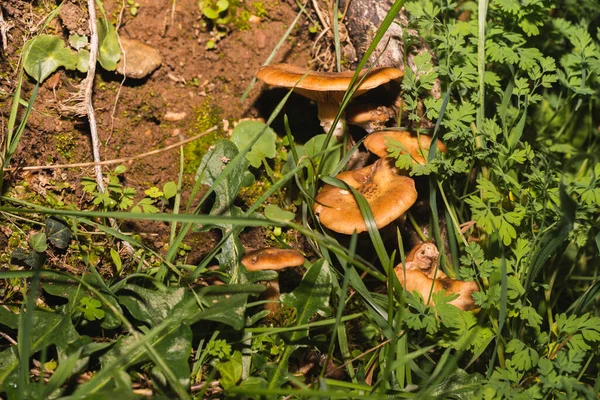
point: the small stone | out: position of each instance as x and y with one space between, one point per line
172 116
254 19
141 59
261 39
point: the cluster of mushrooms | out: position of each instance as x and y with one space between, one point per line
389 191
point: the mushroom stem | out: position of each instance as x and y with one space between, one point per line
327 114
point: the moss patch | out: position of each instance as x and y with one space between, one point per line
206 116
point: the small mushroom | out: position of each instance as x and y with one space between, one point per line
368 116
418 274
325 88
389 195
272 259
376 143
423 257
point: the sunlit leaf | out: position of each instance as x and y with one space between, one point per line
44 54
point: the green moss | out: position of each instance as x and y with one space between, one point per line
65 143
206 116
242 21
260 9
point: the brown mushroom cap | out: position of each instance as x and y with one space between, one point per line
423 257
324 87
389 195
376 143
412 279
272 259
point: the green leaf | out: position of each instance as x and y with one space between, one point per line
58 232
32 259
175 350
78 42
83 60
264 148
114 255
73 292
109 51
91 308
314 146
311 296
169 189
277 214
151 306
153 192
44 54
47 329
231 371
38 242
211 8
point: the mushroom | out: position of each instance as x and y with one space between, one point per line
376 143
389 195
368 116
325 88
418 274
272 259
423 257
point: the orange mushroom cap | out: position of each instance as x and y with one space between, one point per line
376 143
272 259
325 87
389 195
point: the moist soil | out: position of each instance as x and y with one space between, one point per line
203 85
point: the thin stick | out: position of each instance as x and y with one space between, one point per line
88 91
124 58
319 14
116 160
4 27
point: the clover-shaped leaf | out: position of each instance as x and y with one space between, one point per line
91 308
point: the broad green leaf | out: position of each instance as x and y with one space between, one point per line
47 329
277 214
175 350
151 306
264 148
174 346
231 371
44 54
38 242
58 232
312 295
211 166
315 146
109 51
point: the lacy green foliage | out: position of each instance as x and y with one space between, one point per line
533 191
119 197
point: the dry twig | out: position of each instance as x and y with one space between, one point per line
114 161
